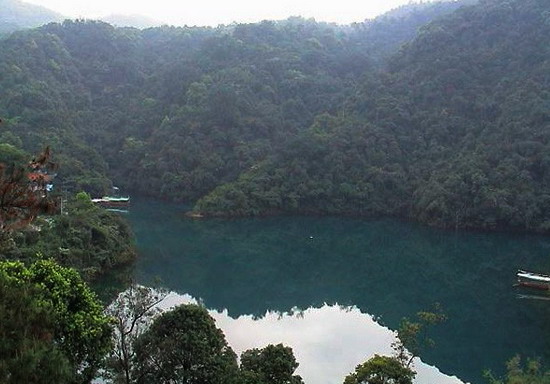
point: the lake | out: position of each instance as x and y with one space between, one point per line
335 288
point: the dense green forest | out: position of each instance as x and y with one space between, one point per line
85 237
36 223
454 133
434 112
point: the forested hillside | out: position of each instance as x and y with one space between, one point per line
175 111
298 116
454 134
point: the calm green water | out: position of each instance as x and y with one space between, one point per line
386 268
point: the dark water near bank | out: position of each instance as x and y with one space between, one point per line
386 268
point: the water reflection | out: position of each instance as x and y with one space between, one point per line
328 342
383 267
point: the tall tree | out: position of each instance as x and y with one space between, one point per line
381 370
133 311
412 338
274 364
184 346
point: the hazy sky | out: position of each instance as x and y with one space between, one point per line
214 12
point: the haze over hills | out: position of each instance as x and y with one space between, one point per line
386 33
15 14
136 21
299 116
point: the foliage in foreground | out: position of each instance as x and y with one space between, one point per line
413 336
23 198
274 364
27 326
132 311
74 335
381 370
184 346
412 339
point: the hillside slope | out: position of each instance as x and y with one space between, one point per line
175 112
296 116
456 134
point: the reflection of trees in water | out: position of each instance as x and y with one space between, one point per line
387 268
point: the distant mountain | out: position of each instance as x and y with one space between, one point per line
382 36
15 14
136 21
416 8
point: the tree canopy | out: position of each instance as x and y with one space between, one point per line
184 346
381 370
453 133
274 364
435 112
68 334
27 326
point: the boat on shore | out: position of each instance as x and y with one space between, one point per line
113 202
533 280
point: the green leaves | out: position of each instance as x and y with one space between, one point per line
75 323
412 339
85 237
381 370
27 327
184 346
413 336
274 364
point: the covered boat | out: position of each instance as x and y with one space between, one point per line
113 202
533 280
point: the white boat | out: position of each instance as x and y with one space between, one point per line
113 202
533 280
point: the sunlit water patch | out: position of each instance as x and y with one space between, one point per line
328 341
386 268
